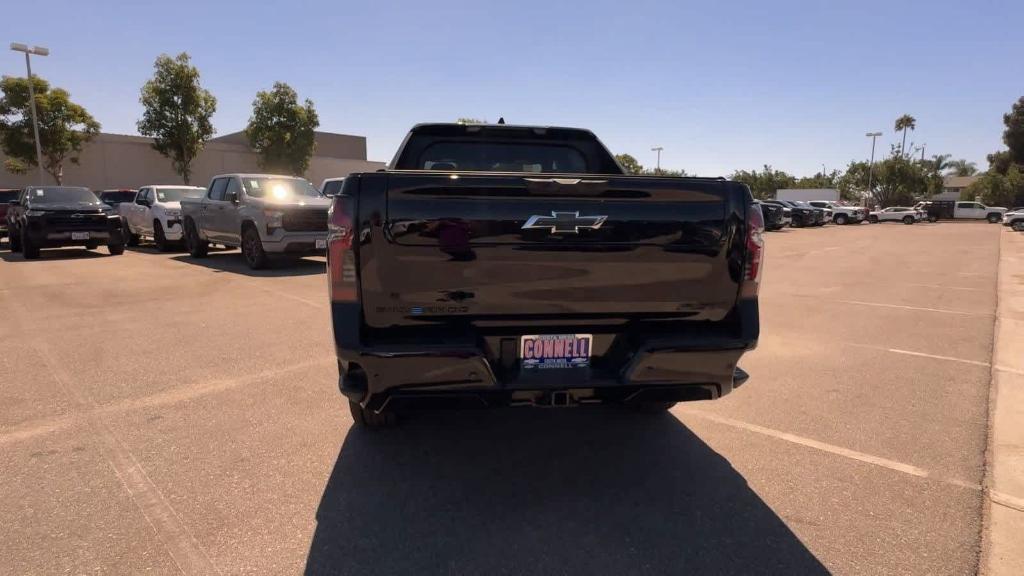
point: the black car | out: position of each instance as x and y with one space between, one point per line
54 216
801 215
776 217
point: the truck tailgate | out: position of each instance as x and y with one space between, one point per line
514 247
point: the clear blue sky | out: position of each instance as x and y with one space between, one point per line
720 85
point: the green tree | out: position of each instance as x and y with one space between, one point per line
64 127
994 189
853 184
282 131
765 183
999 162
177 112
898 181
1013 136
904 123
962 168
629 164
819 180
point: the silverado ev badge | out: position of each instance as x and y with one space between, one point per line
564 222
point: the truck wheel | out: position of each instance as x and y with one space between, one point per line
370 419
29 250
129 238
994 218
1018 225
159 238
840 219
116 249
873 219
908 219
196 247
252 248
933 219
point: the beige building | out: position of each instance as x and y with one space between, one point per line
120 161
952 186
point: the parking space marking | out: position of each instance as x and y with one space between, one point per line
832 449
937 357
1006 500
918 308
941 287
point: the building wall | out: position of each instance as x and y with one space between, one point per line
120 161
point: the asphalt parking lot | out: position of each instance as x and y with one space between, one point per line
165 415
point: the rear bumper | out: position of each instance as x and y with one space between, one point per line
487 371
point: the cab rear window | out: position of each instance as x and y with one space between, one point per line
501 157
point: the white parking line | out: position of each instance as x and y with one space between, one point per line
832 449
941 287
937 357
942 310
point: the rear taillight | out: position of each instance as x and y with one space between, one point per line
341 260
754 258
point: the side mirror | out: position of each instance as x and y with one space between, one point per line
231 197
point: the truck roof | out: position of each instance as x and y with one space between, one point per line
455 128
257 175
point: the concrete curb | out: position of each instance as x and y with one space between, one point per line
1003 536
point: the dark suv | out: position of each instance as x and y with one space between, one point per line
53 216
6 196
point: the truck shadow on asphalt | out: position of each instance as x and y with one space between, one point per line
55 254
232 261
544 492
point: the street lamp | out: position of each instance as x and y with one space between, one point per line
658 149
871 166
38 51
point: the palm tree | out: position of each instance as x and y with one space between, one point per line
902 123
940 162
962 167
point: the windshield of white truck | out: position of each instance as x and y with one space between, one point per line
176 194
278 188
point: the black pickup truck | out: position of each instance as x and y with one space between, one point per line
517 265
53 216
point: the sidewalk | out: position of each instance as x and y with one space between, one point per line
1003 539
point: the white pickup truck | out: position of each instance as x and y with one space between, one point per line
978 211
842 214
156 213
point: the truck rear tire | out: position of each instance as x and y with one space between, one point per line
840 219
252 248
994 218
370 419
908 220
1018 226
197 248
116 249
29 250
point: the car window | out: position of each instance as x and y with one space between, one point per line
233 188
217 189
965 205
141 196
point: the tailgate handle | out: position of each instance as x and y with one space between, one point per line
565 186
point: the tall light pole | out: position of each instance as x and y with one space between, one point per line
871 166
658 149
38 51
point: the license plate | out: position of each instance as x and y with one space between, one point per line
555 351
321 243
79 235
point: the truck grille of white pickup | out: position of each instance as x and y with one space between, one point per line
305 221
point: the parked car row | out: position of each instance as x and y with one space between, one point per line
798 214
263 214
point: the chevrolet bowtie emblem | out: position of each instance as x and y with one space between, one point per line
564 222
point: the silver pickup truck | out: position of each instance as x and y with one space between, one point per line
263 214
